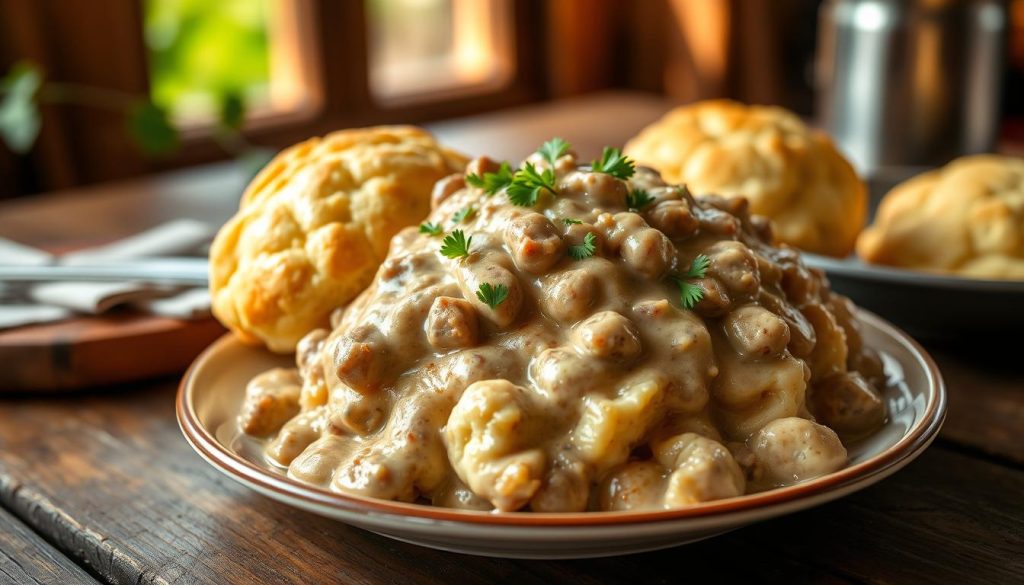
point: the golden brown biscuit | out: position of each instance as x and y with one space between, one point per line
315 224
790 173
966 217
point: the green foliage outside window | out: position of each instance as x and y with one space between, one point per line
202 50
209 61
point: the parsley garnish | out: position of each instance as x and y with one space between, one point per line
491 183
430 228
456 245
613 162
527 185
571 221
464 214
554 149
637 199
586 249
690 294
492 296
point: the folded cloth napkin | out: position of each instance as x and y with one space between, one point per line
39 303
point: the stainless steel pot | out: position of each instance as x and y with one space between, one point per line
910 82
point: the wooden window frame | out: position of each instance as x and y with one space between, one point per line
339 69
63 38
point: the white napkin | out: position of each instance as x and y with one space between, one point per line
15 254
18 315
174 238
60 300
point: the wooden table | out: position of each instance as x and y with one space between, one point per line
100 486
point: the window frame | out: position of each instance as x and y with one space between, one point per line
101 43
339 66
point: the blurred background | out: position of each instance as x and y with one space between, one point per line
97 90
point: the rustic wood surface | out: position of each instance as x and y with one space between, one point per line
106 479
26 558
986 398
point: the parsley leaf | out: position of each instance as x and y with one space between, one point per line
491 183
614 163
699 267
637 199
430 228
528 183
456 245
554 149
492 296
586 249
690 294
464 214
571 221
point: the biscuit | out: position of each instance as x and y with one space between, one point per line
966 217
789 172
315 224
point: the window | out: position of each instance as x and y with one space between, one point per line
420 48
301 68
201 51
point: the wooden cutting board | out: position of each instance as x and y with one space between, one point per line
91 351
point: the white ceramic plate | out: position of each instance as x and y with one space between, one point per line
212 391
931 306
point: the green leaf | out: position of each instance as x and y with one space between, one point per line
491 183
528 183
232 111
699 267
463 214
432 229
19 113
637 199
554 149
690 294
614 163
456 245
492 296
586 249
151 128
571 221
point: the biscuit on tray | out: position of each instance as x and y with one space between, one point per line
966 218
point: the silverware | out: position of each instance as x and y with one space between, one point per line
172 271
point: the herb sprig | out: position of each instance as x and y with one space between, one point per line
690 294
456 245
637 199
529 183
491 183
491 295
432 229
554 149
571 221
463 214
614 163
586 249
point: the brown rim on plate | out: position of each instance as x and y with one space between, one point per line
244 471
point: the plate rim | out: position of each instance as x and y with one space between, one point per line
239 469
853 267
